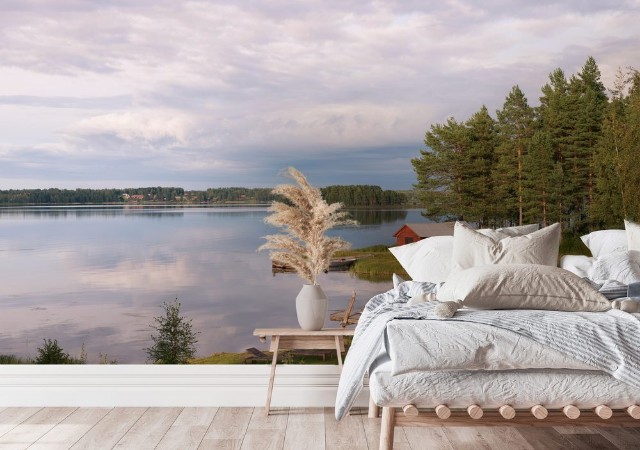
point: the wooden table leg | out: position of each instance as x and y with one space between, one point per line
338 351
276 343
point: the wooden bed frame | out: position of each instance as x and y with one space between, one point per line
474 415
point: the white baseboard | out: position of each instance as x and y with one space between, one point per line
149 385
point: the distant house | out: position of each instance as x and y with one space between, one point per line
413 232
136 197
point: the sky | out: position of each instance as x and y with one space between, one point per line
197 94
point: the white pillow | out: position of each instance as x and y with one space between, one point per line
522 286
606 241
426 260
633 235
471 248
501 233
579 264
430 259
620 266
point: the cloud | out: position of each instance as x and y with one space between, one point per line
217 90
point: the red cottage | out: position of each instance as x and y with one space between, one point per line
412 232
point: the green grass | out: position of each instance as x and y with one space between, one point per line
571 244
375 263
13 359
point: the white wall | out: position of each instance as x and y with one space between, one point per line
182 385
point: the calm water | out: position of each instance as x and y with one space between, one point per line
97 275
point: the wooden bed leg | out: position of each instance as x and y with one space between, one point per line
387 427
374 410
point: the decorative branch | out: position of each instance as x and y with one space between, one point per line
304 247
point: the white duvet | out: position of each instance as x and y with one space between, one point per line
420 345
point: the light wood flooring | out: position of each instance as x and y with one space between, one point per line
285 428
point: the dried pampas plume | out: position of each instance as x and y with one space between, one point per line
306 218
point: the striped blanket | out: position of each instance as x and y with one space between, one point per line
607 341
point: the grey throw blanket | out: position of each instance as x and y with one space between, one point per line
607 341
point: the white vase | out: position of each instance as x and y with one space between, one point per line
311 307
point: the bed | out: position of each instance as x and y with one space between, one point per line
496 366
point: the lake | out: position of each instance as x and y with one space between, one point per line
97 276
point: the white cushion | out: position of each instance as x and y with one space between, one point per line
471 248
620 266
501 233
426 260
633 235
579 264
430 259
606 241
522 286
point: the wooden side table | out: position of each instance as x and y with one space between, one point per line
297 338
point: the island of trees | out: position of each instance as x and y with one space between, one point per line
350 195
573 159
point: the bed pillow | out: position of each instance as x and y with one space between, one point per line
619 266
471 248
578 264
604 242
501 233
430 259
426 260
633 235
522 286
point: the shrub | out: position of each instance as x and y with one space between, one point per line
174 342
52 353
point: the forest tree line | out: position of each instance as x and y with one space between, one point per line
573 159
350 195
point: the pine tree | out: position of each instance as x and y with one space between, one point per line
516 125
441 170
541 181
477 187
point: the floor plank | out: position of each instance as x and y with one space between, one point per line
305 429
106 433
504 438
622 438
348 434
544 438
463 438
266 432
149 429
71 429
12 417
227 429
589 441
426 437
372 434
188 430
33 428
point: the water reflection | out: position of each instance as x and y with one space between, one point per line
97 276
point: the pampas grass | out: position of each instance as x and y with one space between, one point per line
306 218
